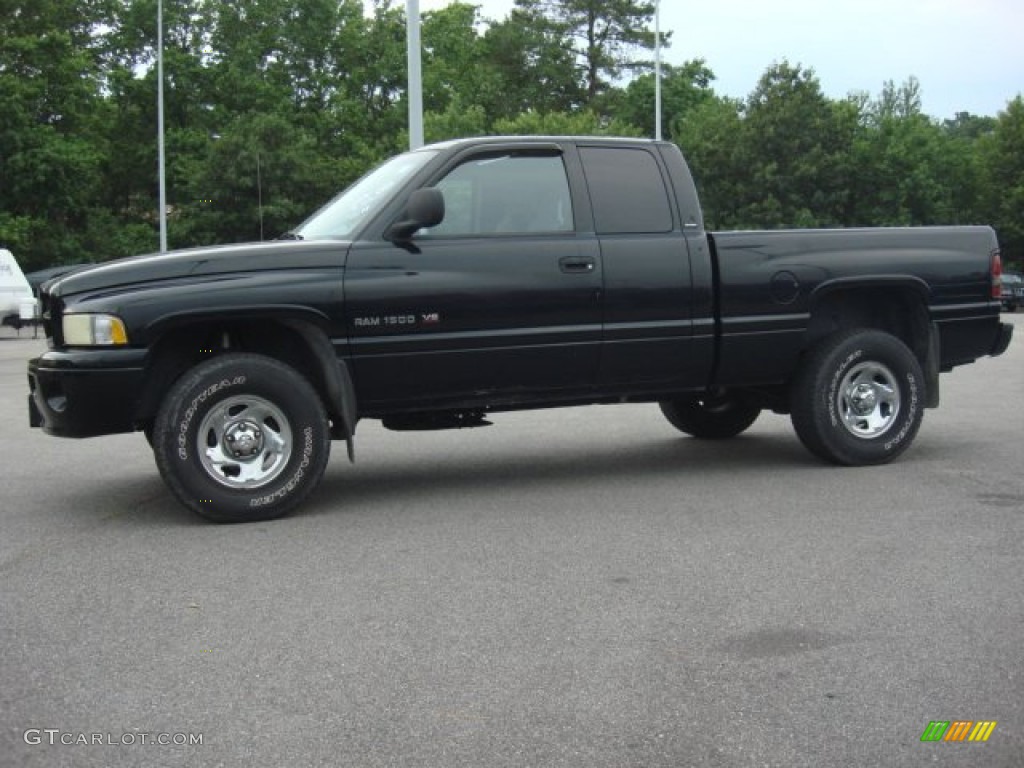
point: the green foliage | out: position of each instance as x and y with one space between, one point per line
457 121
711 137
258 180
904 171
790 138
778 160
683 89
455 63
562 124
1003 163
536 65
50 165
604 35
274 105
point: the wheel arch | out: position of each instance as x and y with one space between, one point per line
297 341
895 304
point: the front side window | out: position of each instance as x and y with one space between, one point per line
345 215
505 194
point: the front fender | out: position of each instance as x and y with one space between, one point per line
341 392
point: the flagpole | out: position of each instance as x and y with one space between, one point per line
160 123
657 70
415 74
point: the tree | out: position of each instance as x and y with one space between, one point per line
131 170
967 126
258 179
51 71
273 105
562 124
604 34
904 101
455 61
795 145
535 65
682 90
963 139
1003 160
710 136
910 170
457 121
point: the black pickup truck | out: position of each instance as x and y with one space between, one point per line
495 274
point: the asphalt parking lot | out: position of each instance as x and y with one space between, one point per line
581 587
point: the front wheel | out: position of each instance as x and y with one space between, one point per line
241 438
858 398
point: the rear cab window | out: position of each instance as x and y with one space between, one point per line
627 191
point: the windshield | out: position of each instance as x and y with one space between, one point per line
345 215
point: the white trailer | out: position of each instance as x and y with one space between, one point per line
17 304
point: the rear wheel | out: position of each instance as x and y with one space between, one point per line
712 417
240 438
859 398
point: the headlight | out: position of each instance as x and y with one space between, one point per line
93 330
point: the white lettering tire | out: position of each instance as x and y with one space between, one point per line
240 438
858 398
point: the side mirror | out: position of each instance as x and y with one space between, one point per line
425 208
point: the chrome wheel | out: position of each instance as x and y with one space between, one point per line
868 400
244 442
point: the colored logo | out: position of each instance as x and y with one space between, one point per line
958 730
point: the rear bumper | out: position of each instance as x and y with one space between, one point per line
84 393
1003 339
968 333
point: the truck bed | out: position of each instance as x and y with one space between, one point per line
769 285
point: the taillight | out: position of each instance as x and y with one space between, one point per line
997 275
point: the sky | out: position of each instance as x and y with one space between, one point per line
968 54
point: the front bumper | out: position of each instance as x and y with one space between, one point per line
83 393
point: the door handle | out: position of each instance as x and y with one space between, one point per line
577 264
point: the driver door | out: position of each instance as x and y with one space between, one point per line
500 302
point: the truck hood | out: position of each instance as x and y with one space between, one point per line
217 260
